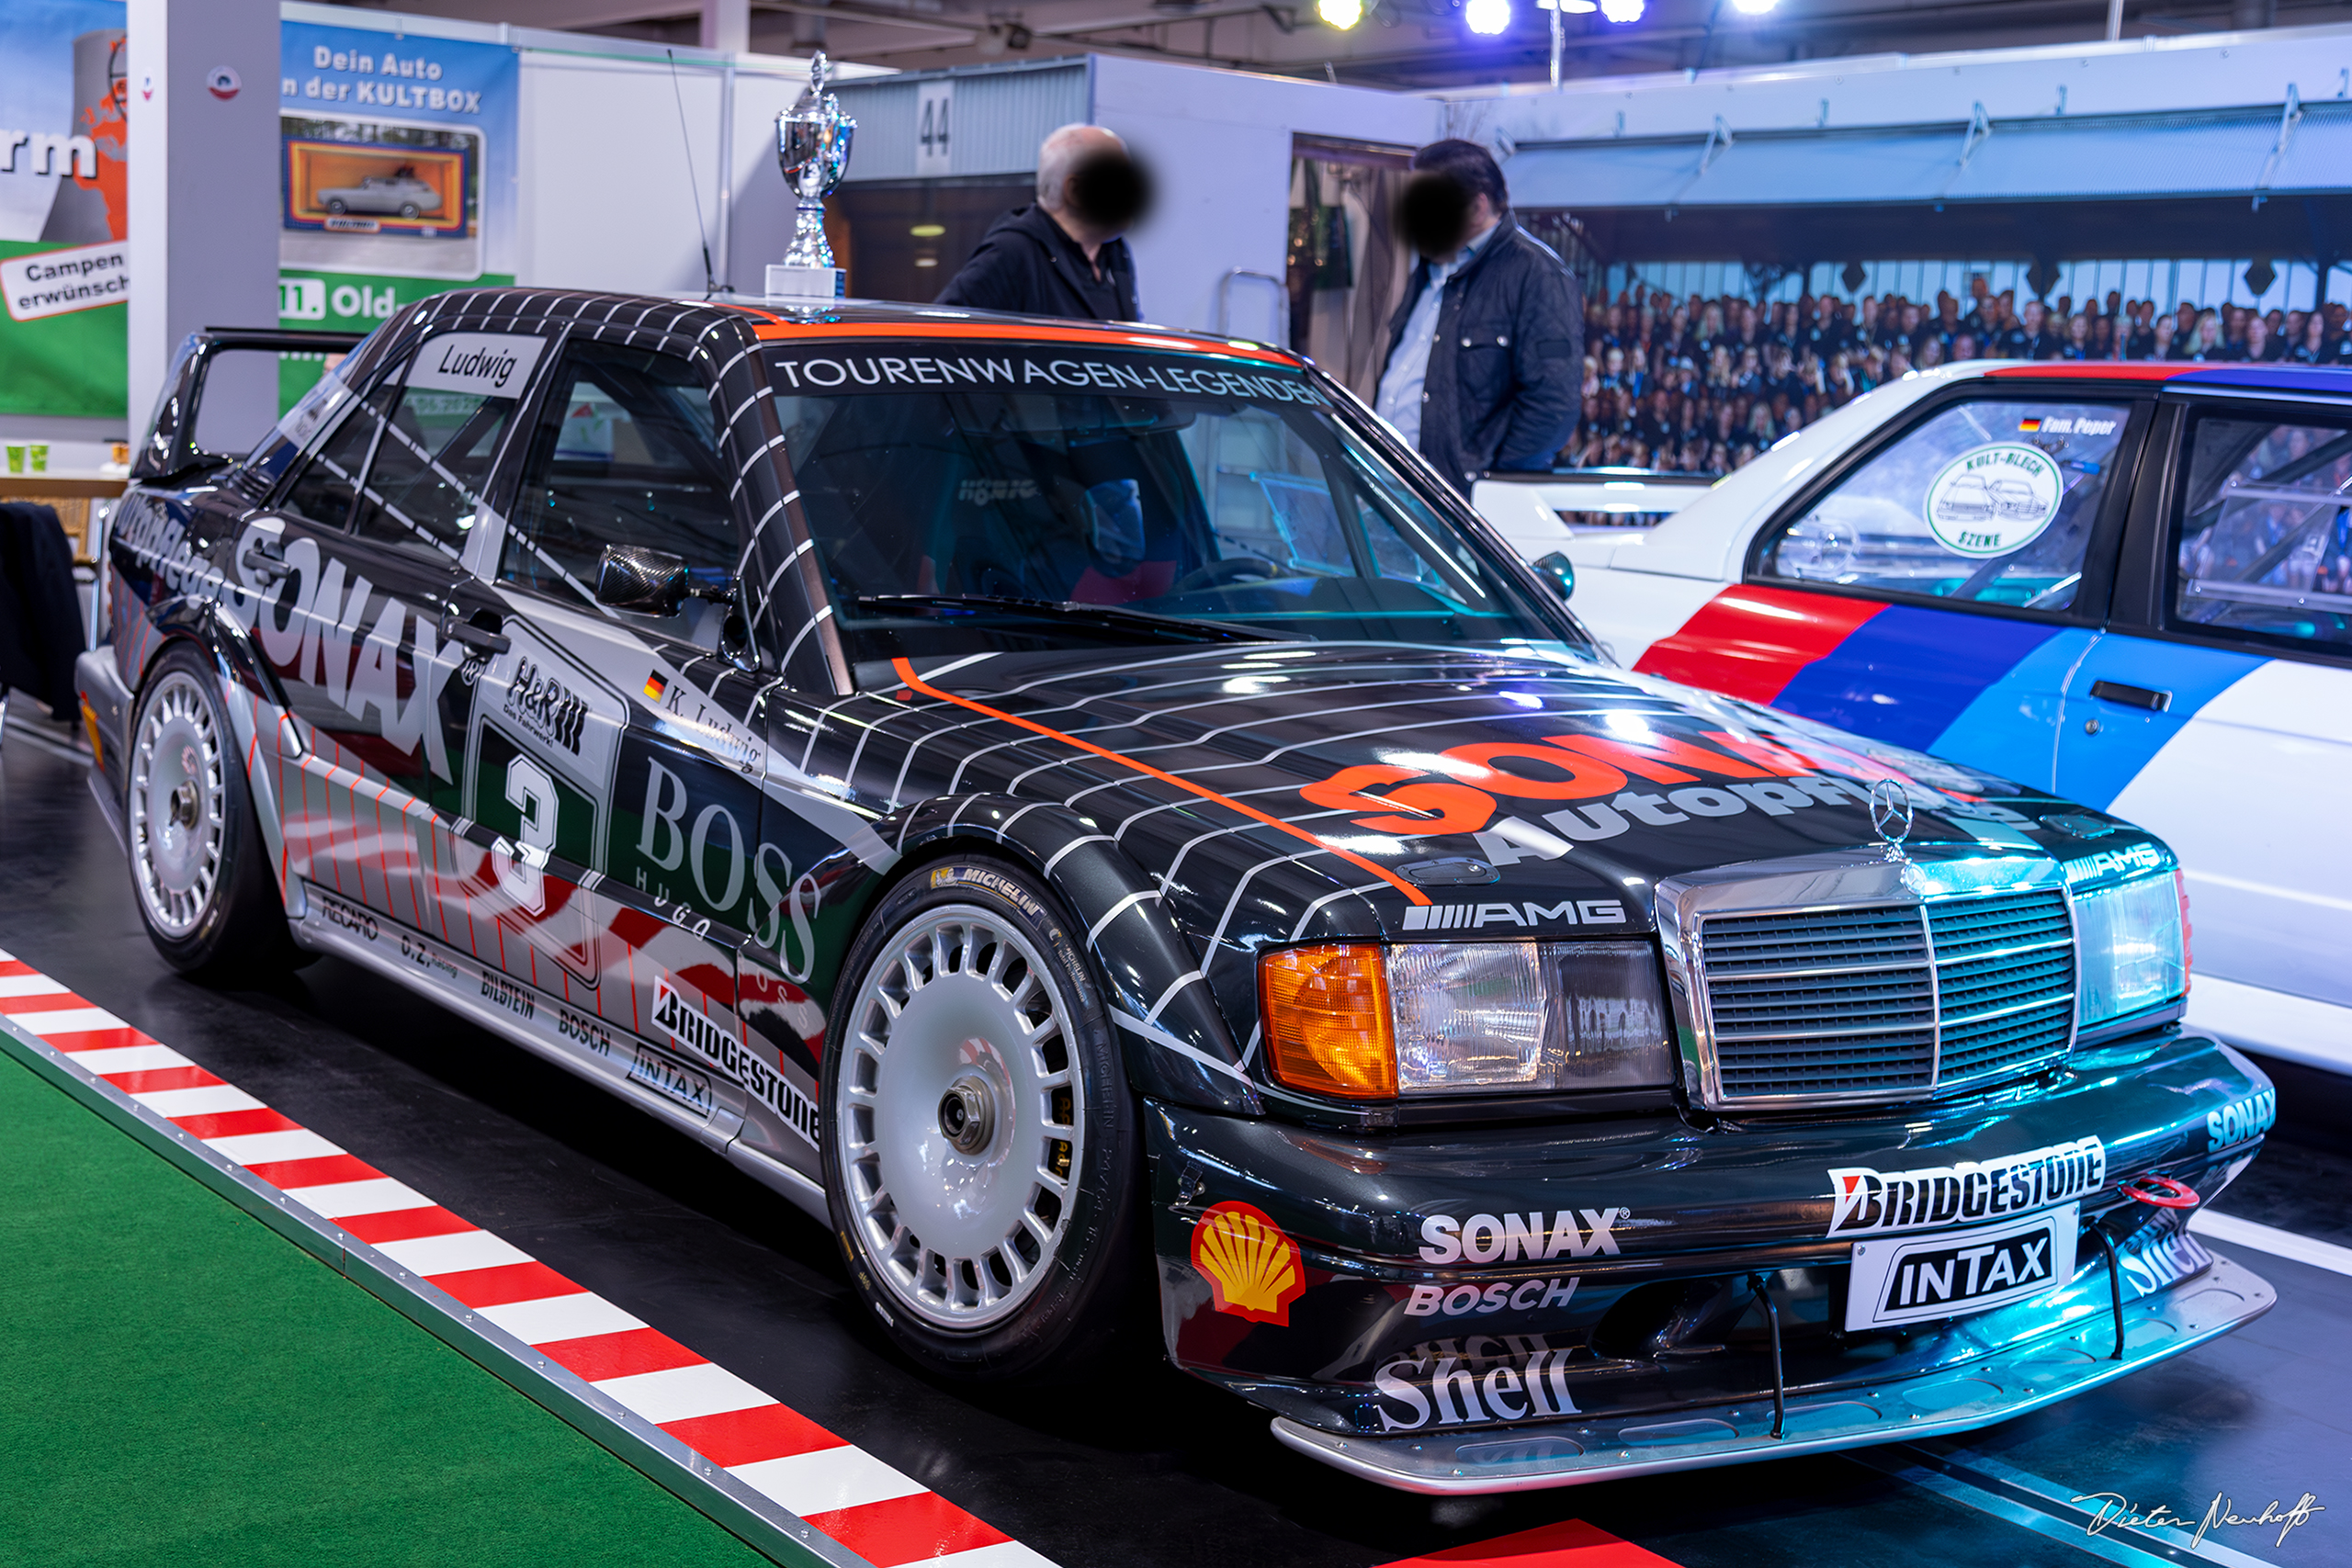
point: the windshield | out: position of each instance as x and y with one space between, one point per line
956 491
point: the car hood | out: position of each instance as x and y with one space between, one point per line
1287 792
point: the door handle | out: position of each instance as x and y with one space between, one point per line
489 639
264 557
2131 696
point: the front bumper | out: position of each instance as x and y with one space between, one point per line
1688 1268
1995 1388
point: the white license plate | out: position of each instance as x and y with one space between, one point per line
1954 1273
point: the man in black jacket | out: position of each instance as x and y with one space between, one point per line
1062 256
1486 352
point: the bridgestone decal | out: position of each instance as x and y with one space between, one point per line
698 1034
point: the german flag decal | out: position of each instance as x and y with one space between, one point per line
654 687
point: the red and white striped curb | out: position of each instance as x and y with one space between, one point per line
883 1515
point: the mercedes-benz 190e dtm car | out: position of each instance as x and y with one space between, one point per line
1087 816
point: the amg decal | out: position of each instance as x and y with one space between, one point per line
691 1029
1868 1201
1533 912
1483 1238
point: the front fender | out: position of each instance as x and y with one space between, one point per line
1175 1041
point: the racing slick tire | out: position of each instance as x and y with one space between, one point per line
198 867
983 1158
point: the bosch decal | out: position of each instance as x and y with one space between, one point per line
1868 1201
1485 1300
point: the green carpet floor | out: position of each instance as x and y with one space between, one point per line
180 1385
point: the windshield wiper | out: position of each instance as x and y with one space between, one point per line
1064 610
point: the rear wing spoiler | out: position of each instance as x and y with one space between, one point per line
170 448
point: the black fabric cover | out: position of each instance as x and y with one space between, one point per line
40 624
1506 371
1027 265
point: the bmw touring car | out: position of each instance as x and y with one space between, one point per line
1090 818
2129 583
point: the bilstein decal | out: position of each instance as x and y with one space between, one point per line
1254 1269
1870 1201
1485 1238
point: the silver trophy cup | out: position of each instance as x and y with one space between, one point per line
812 141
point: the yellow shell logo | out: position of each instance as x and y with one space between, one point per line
1253 1269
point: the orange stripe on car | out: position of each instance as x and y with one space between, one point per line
907 673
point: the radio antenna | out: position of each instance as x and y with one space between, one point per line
710 280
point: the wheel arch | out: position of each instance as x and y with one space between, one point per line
1174 1040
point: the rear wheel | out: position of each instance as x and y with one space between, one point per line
980 1144
197 861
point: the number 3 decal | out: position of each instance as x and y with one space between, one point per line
532 792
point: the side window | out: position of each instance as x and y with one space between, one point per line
625 452
2262 545
329 481
1991 502
432 463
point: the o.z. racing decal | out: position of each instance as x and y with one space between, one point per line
706 1039
1865 1201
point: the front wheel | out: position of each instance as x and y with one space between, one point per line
197 864
982 1152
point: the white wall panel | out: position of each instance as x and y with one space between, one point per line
605 200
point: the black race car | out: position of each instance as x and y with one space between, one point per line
1084 810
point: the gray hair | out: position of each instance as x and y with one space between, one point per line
1060 153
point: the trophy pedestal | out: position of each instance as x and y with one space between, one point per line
808 282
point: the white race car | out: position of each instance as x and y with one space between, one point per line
2126 584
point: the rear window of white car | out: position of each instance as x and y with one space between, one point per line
1989 501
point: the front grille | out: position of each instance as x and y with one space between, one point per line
1889 1000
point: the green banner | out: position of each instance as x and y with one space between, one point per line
72 364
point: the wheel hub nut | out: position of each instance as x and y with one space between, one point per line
968 1114
183 810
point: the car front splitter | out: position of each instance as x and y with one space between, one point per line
1573 1454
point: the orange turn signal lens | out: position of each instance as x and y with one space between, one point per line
1327 1028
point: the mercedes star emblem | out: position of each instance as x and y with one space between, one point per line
1891 810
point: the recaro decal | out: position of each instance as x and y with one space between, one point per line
1599 772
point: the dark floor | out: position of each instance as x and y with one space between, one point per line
1158 1469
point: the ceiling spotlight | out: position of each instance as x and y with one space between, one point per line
1340 14
1754 7
1488 16
1571 6
1622 11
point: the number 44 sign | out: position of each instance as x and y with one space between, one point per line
933 101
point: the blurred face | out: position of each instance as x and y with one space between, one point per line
2033 315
